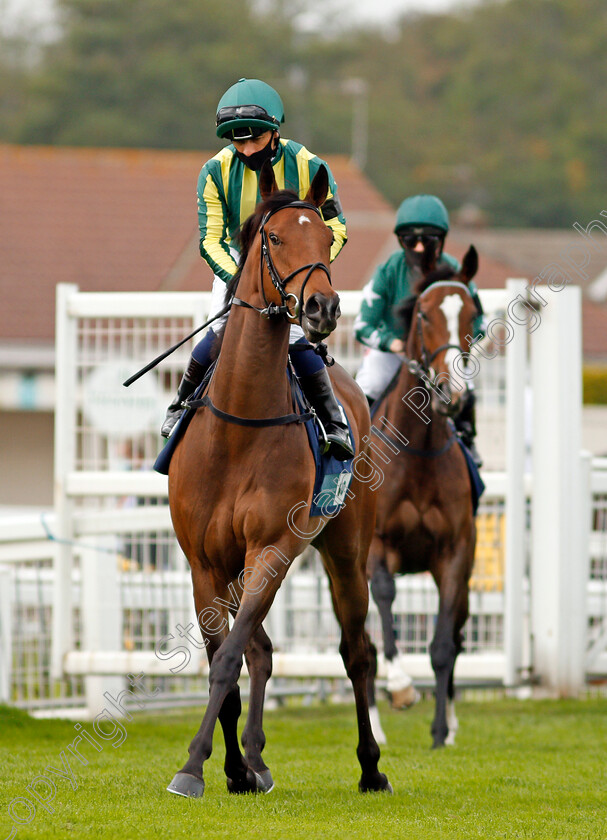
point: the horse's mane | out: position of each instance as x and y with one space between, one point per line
245 237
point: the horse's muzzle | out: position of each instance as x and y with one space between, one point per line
446 400
320 316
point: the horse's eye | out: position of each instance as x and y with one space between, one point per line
423 316
274 239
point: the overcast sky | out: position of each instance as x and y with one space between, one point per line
370 11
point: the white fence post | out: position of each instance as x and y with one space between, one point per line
580 577
6 632
560 554
101 616
516 382
65 456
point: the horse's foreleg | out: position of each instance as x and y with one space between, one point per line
383 590
239 777
213 622
400 686
258 656
223 690
445 647
225 670
350 601
378 732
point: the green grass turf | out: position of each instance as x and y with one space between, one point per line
530 769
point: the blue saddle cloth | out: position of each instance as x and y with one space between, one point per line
163 460
332 478
477 485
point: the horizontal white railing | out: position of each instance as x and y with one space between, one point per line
97 528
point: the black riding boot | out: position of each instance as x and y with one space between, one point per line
190 381
465 424
319 392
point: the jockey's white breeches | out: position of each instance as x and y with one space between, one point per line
377 369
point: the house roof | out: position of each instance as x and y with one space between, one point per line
125 219
532 252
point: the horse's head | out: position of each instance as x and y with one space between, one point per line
293 250
438 325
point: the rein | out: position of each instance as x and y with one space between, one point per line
279 282
271 310
421 453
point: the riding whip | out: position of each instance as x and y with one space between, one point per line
172 349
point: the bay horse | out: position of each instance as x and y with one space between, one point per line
241 483
425 518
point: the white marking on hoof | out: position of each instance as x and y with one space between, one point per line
452 723
398 679
378 732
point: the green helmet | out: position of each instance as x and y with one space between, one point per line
249 103
422 210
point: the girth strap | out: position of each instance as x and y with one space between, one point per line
422 453
206 402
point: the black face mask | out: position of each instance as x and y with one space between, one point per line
414 258
257 159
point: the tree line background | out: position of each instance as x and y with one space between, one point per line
501 105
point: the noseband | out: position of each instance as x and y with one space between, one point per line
272 310
421 369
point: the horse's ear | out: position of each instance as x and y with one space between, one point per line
317 194
470 263
267 181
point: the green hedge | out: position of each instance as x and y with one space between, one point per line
595 385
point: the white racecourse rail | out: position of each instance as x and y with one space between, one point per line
98 587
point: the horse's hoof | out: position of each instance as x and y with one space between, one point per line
184 784
405 698
437 745
264 781
379 784
247 783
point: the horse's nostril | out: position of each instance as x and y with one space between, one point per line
313 308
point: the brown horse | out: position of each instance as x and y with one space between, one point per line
241 483
425 520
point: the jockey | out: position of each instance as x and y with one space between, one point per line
249 115
421 220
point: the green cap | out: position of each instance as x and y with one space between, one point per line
422 210
250 103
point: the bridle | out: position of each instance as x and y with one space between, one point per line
421 369
272 310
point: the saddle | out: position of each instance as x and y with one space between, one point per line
332 478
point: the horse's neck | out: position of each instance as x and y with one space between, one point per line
409 420
250 379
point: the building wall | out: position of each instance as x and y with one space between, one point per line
26 458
